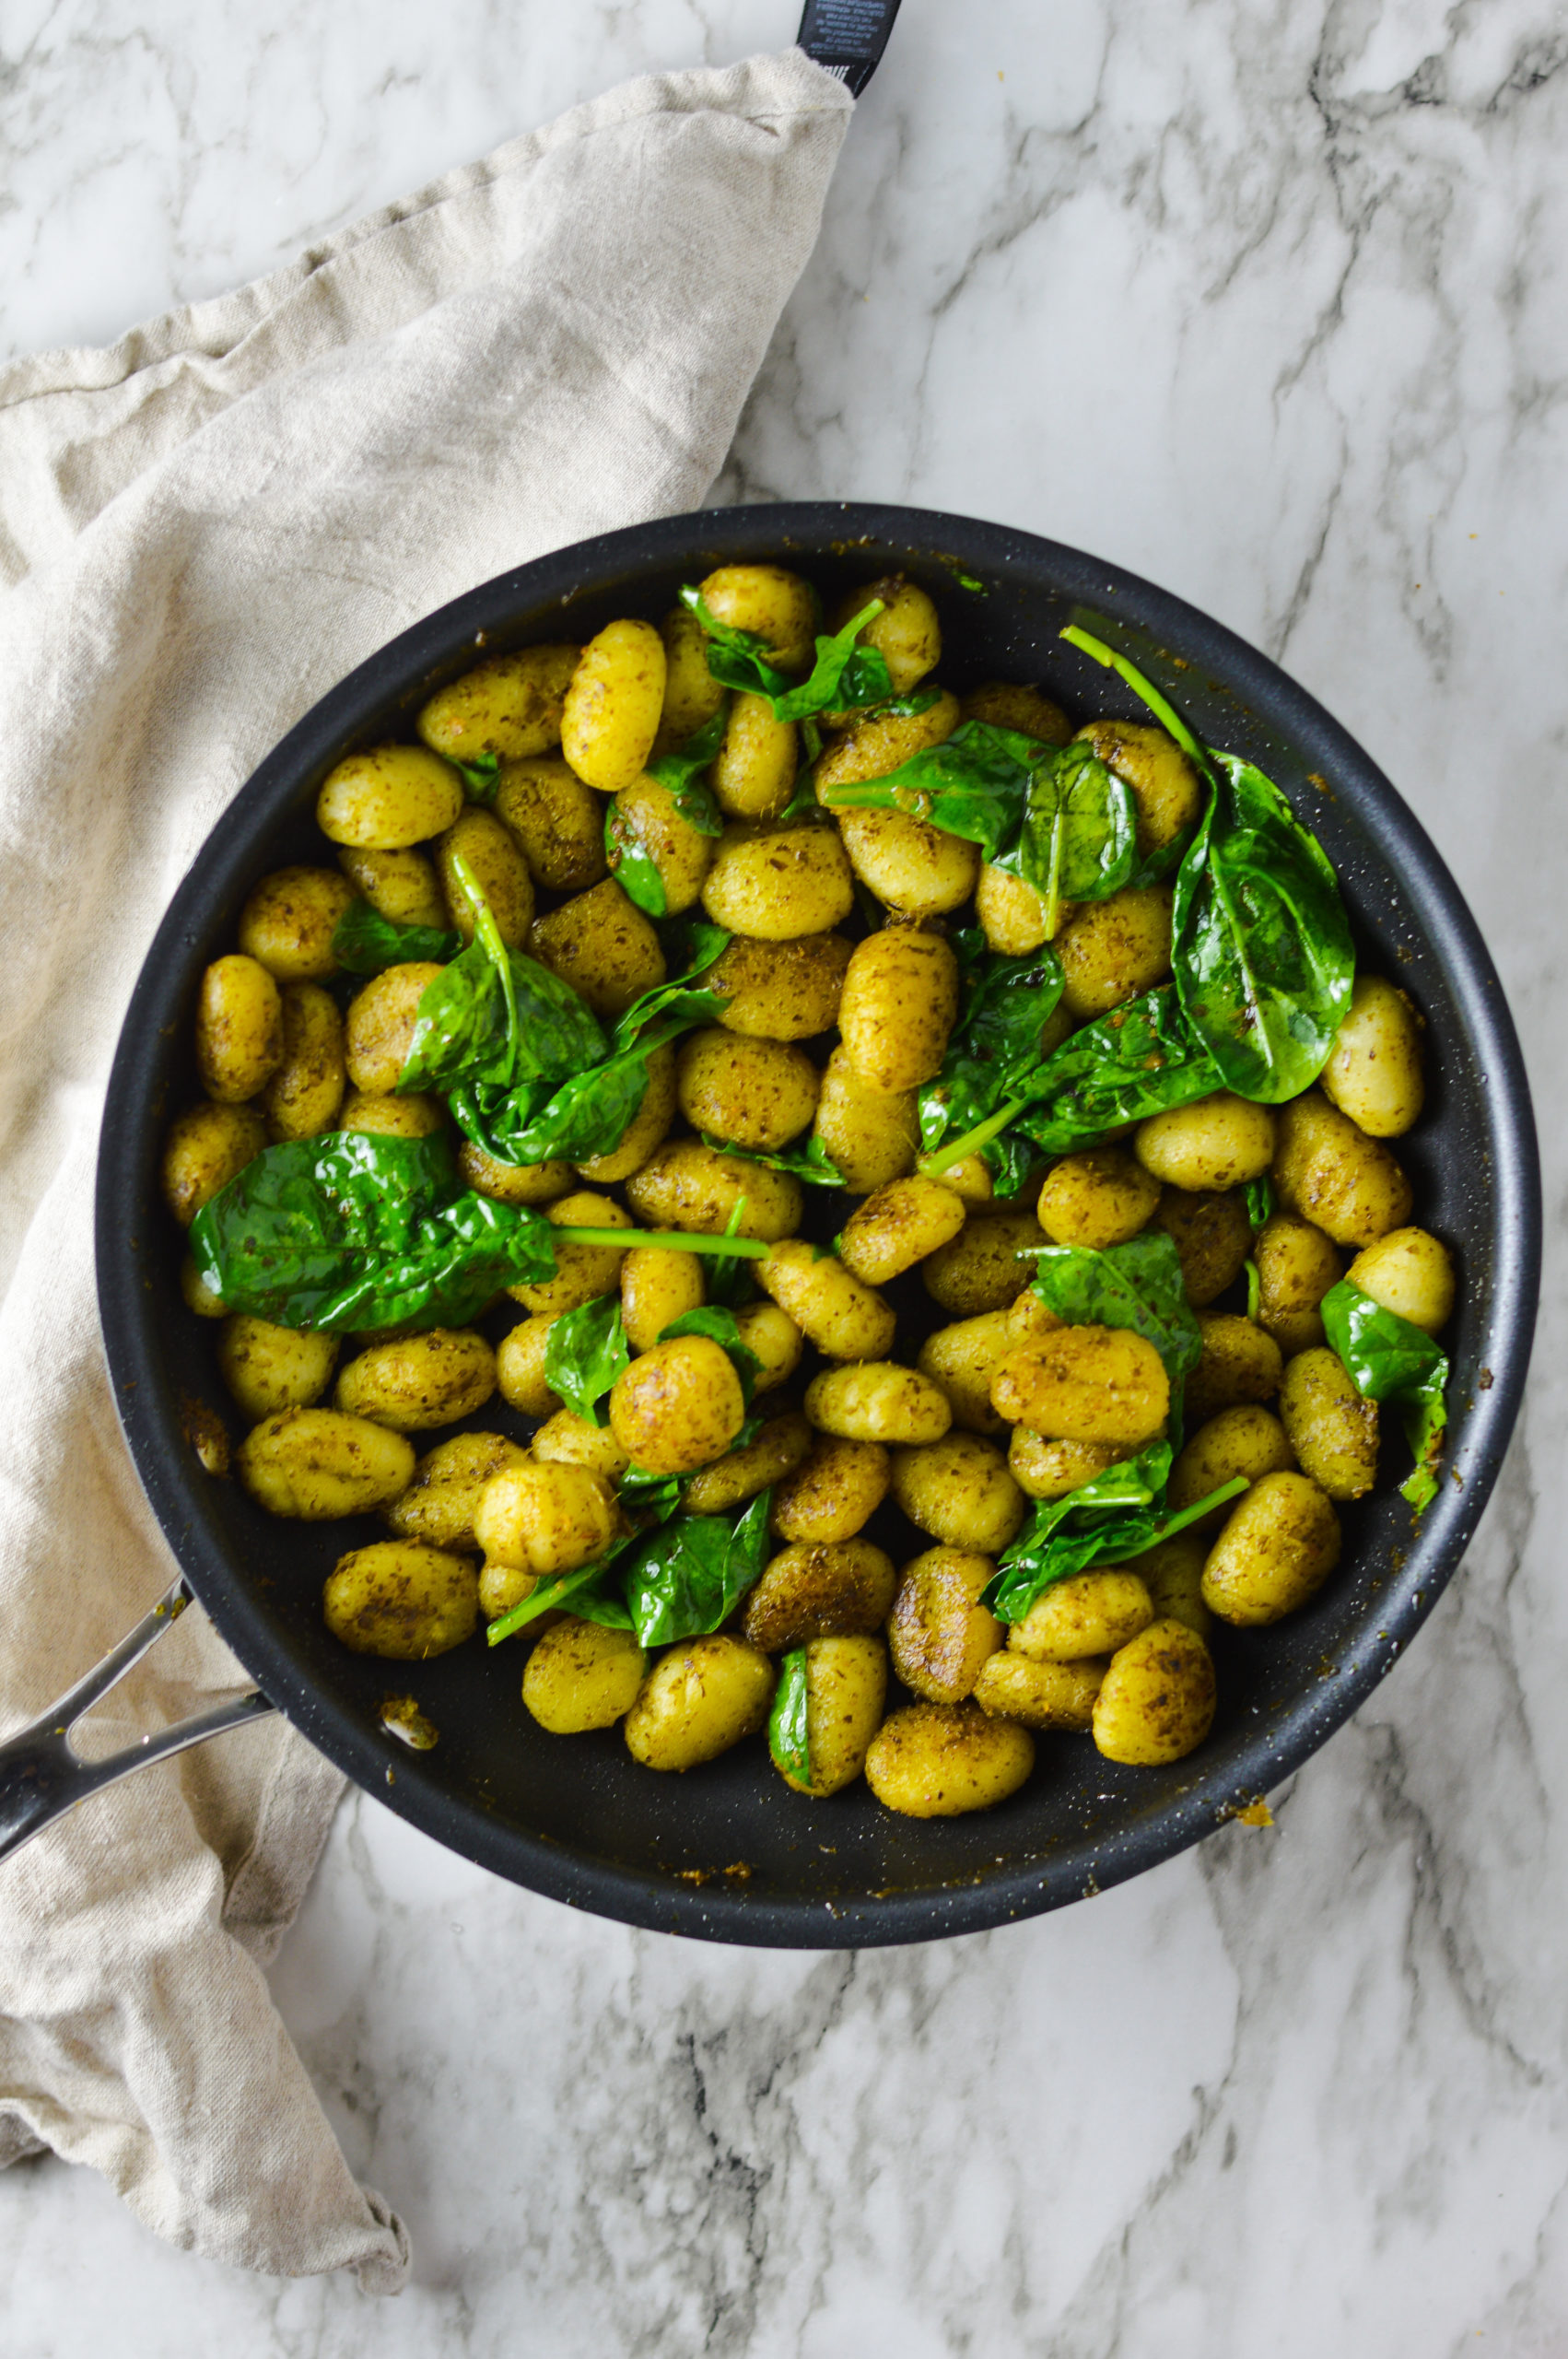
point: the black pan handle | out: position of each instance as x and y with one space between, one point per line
848 37
42 1777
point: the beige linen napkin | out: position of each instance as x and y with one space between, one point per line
202 530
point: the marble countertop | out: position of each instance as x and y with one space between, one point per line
1267 304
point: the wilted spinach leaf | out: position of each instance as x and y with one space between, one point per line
1116 1516
994 1047
975 784
493 1019
356 1230
367 944
480 777
584 1353
1079 834
680 774
689 1579
1387 1358
1140 1060
595 1593
789 1724
811 1163
843 675
589 1114
1138 1285
1261 946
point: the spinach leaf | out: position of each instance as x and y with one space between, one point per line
584 1353
789 1724
650 1499
365 943
689 1579
355 1230
717 1324
631 864
811 1163
842 677
589 1114
480 777
1054 815
1137 1061
1079 834
493 1019
1138 1286
994 1045
975 784
1105 1521
595 1593
680 774
1260 945
1387 1358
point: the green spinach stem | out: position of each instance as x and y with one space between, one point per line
931 1167
670 1240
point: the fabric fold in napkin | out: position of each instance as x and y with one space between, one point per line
201 530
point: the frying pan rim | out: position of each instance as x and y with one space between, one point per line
150 1415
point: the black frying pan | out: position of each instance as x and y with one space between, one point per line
728 1852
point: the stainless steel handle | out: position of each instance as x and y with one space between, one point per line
43 1776
848 37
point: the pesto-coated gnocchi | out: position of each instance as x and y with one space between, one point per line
781 991
878 1401
1157 1700
749 1093
305 1094
690 1186
509 706
582 1675
898 1226
402 1599
389 798
942 1760
779 884
845 1320
833 1492
959 1490
419 1381
761 1026
1280 1545
846 1692
678 1406
610 716
288 921
697 1701
819 1589
938 1633
603 945
899 1004
269 1368
557 821
238 1029
869 1136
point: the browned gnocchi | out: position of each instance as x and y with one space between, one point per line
701 1221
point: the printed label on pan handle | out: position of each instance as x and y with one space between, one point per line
848 37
